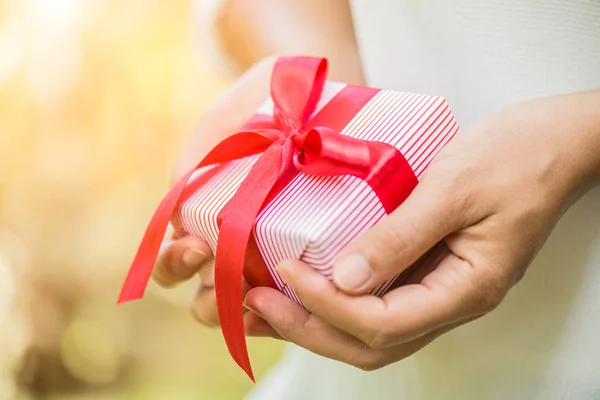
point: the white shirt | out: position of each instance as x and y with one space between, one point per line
543 342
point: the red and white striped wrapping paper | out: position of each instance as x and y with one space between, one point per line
313 218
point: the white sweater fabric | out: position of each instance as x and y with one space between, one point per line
543 342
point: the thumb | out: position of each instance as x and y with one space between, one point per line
398 240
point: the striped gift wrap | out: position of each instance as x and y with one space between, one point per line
313 218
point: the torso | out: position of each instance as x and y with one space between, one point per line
480 55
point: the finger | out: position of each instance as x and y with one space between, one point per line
398 240
255 326
180 259
307 330
204 305
297 325
446 296
207 273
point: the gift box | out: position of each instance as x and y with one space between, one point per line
318 164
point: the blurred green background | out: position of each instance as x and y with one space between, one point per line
97 98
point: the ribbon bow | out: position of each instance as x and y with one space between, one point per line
291 142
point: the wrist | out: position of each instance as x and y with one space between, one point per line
586 137
576 124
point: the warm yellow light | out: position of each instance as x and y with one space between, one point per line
11 45
58 11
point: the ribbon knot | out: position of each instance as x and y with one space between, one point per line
293 141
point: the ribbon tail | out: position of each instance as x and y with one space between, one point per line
143 263
237 146
239 216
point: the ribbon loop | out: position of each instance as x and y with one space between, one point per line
296 86
328 153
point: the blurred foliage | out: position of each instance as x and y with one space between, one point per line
97 98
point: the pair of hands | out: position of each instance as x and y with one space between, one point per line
462 239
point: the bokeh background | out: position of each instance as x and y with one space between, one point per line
97 98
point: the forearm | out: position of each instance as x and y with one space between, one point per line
253 29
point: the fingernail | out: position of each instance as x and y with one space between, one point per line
193 258
252 310
351 273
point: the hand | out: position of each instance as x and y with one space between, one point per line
182 258
472 226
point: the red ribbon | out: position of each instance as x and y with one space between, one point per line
290 142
